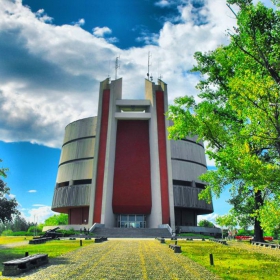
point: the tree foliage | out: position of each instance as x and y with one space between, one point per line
16 225
239 109
206 223
19 224
7 205
270 216
229 221
56 220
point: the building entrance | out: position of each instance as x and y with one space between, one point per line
131 221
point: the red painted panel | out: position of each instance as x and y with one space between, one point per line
85 214
132 173
101 156
162 157
77 216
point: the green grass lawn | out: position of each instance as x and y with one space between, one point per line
238 260
53 248
12 239
234 261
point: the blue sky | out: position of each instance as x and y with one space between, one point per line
54 55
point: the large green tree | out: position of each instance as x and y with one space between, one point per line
206 223
20 224
56 220
238 112
7 205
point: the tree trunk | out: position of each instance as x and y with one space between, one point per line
258 236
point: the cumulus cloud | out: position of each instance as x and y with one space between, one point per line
80 22
101 31
38 214
112 40
209 217
148 38
50 74
11 196
162 3
40 14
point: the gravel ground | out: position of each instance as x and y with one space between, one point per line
120 259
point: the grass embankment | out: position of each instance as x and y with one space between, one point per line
53 248
238 260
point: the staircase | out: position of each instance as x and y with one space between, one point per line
131 232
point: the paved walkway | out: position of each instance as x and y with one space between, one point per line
121 259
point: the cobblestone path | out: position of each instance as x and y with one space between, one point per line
121 259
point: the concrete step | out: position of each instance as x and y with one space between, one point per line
132 232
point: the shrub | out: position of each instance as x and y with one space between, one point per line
67 232
33 229
245 232
7 232
21 233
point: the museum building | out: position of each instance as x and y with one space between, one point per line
120 169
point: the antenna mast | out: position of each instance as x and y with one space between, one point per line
148 74
109 70
159 75
117 66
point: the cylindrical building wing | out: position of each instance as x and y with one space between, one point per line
188 163
74 177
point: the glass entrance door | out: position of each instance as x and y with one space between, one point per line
131 221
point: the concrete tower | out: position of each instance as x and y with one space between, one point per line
119 168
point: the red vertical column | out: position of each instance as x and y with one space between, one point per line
101 156
161 130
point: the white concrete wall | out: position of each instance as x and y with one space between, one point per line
168 155
75 148
81 169
107 215
188 151
155 218
71 196
103 85
187 171
83 148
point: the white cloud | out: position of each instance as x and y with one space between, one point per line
148 38
80 22
32 191
163 3
40 14
112 40
38 214
209 217
101 31
50 74
11 196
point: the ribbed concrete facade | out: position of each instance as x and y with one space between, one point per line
120 169
74 177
